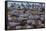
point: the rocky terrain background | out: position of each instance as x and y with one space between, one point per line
25 15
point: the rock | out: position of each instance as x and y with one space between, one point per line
9 18
13 23
31 17
29 26
36 17
18 27
30 21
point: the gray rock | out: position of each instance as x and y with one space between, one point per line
18 27
13 23
31 17
36 17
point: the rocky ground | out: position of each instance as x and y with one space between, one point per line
26 18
